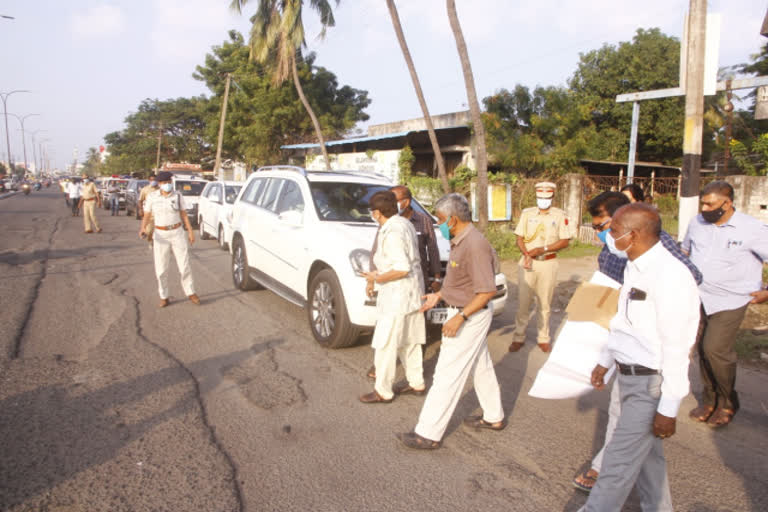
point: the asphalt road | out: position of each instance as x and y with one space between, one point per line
108 403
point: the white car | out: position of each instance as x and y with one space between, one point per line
306 236
190 187
214 208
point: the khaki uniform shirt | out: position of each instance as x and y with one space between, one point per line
89 191
470 270
165 209
540 229
145 191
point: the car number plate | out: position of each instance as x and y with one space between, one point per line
438 316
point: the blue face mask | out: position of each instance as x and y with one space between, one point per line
445 230
601 235
153 183
166 187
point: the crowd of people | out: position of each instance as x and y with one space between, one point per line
674 301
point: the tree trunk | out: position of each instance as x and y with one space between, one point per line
422 102
311 113
474 109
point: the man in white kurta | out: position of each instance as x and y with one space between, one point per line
400 330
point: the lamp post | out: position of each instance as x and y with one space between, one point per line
4 97
23 137
34 151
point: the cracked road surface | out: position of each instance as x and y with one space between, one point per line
108 403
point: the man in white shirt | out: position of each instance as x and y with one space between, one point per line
73 190
650 341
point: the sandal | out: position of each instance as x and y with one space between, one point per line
407 389
479 422
585 481
702 413
374 398
720 418
415 441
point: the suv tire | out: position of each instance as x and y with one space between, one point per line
220 238
327 312
200 225
241 274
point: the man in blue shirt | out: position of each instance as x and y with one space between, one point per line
602 208
730 249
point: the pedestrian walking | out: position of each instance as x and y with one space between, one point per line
89 198
612 263
730 248
167 210
114 198
649 341
468 288
145 191
400 329
73 192
541 232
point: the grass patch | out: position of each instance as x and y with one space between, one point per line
749 345
502 238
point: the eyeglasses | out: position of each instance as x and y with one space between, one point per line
600 227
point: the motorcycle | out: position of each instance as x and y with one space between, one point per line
37 186
25 189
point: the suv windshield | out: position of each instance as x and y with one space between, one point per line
348 202
190 188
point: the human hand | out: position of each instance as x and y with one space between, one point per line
435 285
191 236
142 234
597 377
527 262
451 327
369 288
663 426
370 276
430 300
760 296
536 252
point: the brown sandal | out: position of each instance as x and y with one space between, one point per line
374 398
479 422
720 418
702 413
585 481
415 441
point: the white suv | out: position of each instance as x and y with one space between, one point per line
190 187
305 235
214 208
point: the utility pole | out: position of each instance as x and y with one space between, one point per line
4 97
728 123
694 115
217 165
159 142
24 137
633 142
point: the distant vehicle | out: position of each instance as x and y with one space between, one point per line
25 188
215 208
132 192
307 236
190 187
105 194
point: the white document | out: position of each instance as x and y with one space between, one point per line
568 370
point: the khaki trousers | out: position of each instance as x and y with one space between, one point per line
89 216
539 282
466 352
176 242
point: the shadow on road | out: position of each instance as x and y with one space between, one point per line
53 433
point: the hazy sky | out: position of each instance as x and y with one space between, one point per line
89 63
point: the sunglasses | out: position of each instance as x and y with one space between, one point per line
599 227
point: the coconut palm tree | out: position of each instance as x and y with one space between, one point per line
422 102
477 121
277 37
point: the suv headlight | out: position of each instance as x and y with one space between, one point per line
360 259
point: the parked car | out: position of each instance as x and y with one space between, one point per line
132 191
306 236
107 183
190 187
214 210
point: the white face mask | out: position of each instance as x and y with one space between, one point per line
610 242
166 187
543 204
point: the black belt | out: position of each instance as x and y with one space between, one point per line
635 369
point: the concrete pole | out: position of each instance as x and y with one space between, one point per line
217 165
633 141
159 143
694 115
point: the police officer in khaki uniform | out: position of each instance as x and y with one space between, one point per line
88 200
541 232
167 209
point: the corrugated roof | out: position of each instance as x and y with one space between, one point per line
345 141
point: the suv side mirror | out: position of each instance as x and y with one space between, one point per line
292 217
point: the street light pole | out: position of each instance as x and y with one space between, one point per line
34 152
4 97
23 137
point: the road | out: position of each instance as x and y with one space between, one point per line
108 403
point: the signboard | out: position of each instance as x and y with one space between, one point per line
499 202
379 162
761 103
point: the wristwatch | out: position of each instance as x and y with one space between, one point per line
465 317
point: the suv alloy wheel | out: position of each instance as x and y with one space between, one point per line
327 312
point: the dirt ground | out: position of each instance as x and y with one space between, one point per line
752 344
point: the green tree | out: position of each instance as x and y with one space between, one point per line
481 155
262 116
277 36
92 165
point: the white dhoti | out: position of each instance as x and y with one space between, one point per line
398 336
174 241
466 352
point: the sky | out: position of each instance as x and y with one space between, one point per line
89 63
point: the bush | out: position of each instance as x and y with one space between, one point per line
502 238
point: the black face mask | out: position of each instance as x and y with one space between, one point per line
713 216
